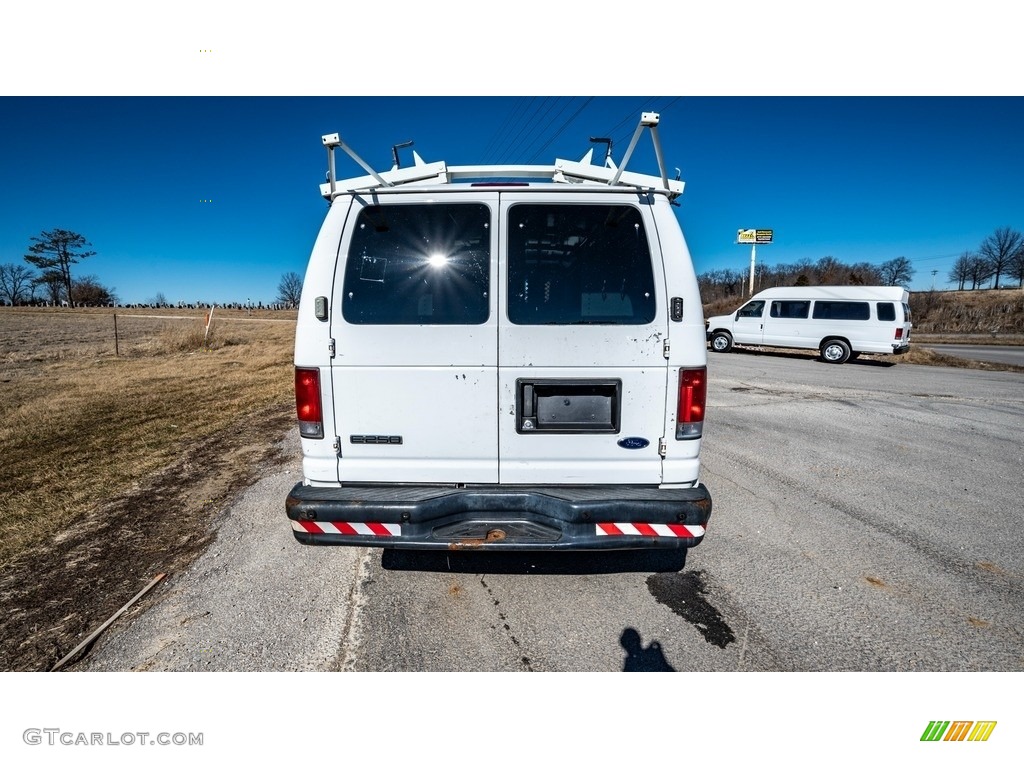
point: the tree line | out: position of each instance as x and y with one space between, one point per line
1000 254
729 283
1000 257
52 253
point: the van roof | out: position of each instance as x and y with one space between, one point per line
839 292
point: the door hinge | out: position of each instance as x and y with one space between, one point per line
337 446
331 347
666 348
662 447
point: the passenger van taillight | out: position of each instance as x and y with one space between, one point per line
692 396
307 402
899 334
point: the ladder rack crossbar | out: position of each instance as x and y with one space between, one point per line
563 171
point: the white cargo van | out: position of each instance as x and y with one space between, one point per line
501 357
840 321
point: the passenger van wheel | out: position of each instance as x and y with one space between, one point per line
721 342
835 351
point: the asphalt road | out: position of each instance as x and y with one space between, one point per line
1008 355
866 517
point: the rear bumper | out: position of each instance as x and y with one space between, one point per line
500 517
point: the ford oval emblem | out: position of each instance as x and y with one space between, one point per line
633 443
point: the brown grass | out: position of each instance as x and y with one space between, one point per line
79 425
983 312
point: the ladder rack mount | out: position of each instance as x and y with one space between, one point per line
583 171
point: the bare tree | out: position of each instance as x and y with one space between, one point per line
896 271
52 285
831 271
55 251
1017 268
15 283
999 250
978 271
961 270
863 273
89 291
289 290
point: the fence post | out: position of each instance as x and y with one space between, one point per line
117 351
209 321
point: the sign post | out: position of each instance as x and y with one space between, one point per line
754 237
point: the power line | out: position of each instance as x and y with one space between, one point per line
541 124
514 127
532 122
521 106
559 132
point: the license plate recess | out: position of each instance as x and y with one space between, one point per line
568 406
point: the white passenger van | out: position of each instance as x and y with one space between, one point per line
501 357
840 321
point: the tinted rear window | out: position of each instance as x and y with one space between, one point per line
576 264
886 310
419 264
841 310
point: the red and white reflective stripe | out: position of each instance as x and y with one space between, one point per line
348 529
651 529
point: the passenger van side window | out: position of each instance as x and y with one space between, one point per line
579 264
419 264
886 311
791 309
841 310
752 309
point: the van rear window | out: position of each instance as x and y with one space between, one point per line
841 310
886 310
579 264
419 264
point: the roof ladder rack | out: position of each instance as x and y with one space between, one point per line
565 171
647 120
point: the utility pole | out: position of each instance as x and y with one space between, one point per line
934 272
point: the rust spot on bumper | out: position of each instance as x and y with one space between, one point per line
493 535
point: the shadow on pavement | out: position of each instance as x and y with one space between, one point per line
568 563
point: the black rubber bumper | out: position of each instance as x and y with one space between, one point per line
500 517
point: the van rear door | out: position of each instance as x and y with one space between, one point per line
414 371
582 374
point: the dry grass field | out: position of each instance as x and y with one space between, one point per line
113 464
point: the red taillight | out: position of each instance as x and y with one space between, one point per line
899 334
693 390
307 402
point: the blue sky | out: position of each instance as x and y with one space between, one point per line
214 198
